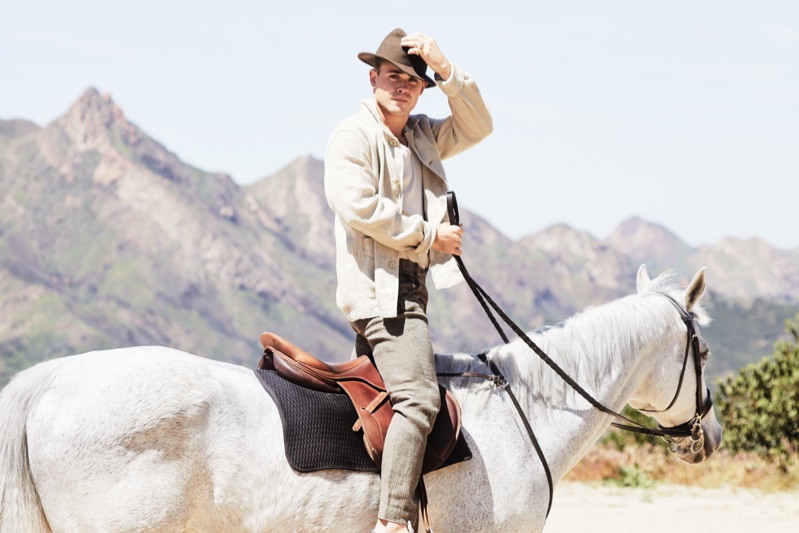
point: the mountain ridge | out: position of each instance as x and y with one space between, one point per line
108 239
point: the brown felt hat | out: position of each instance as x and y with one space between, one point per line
391 50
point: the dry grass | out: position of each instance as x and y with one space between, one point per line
647 464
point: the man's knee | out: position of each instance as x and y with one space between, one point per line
420 402
430 397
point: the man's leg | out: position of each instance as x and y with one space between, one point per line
403 354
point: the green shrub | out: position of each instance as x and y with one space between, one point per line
631 477
759 407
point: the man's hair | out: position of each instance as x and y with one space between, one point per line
379 62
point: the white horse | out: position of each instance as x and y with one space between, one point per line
153 439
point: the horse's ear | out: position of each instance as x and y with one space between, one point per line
695 289
642 281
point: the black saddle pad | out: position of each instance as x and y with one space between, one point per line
317 428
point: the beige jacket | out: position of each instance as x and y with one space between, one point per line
363 185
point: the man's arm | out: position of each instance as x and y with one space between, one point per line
471 120
351 190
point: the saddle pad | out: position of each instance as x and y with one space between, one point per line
317 428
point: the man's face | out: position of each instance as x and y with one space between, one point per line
395 91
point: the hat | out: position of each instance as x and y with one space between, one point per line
391 50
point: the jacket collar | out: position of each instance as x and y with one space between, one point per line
427 153
371 105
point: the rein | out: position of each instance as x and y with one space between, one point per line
692 428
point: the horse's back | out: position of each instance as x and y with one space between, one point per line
122 395
135 436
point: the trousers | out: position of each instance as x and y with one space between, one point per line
403 353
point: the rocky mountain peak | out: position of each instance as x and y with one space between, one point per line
635 232
563 238
308 166
91 118
647 242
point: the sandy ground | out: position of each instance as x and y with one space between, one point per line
578 508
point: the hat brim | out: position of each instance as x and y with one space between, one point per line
369 58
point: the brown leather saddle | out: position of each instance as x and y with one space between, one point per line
360 380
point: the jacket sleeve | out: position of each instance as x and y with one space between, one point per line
470 121
351 188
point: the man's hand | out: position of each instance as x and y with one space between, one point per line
426 47
448 239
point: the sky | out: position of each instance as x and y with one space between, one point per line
683 113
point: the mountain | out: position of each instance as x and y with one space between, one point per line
588 268
752 268
108 239
295 201
742 269
645 242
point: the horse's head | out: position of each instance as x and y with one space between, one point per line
675 393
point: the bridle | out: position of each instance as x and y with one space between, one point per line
691 428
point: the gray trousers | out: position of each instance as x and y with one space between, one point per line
403 353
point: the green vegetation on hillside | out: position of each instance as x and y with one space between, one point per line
759 407
742 333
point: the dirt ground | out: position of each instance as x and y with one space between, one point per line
579 508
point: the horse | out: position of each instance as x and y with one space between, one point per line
155 439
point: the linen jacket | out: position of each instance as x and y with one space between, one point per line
363 186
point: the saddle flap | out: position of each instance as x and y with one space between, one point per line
446 430
374 415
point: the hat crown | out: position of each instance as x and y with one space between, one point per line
392 50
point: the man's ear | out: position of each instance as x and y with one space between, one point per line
373 78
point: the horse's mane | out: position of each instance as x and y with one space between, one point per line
588 346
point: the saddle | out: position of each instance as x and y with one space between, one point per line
361 382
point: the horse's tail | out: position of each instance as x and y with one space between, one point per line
20 507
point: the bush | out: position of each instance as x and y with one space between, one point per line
759 407
633 477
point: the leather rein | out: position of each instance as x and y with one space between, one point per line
692 428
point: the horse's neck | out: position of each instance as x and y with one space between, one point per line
600 354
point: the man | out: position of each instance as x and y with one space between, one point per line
386 184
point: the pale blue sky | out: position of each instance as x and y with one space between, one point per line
685 113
